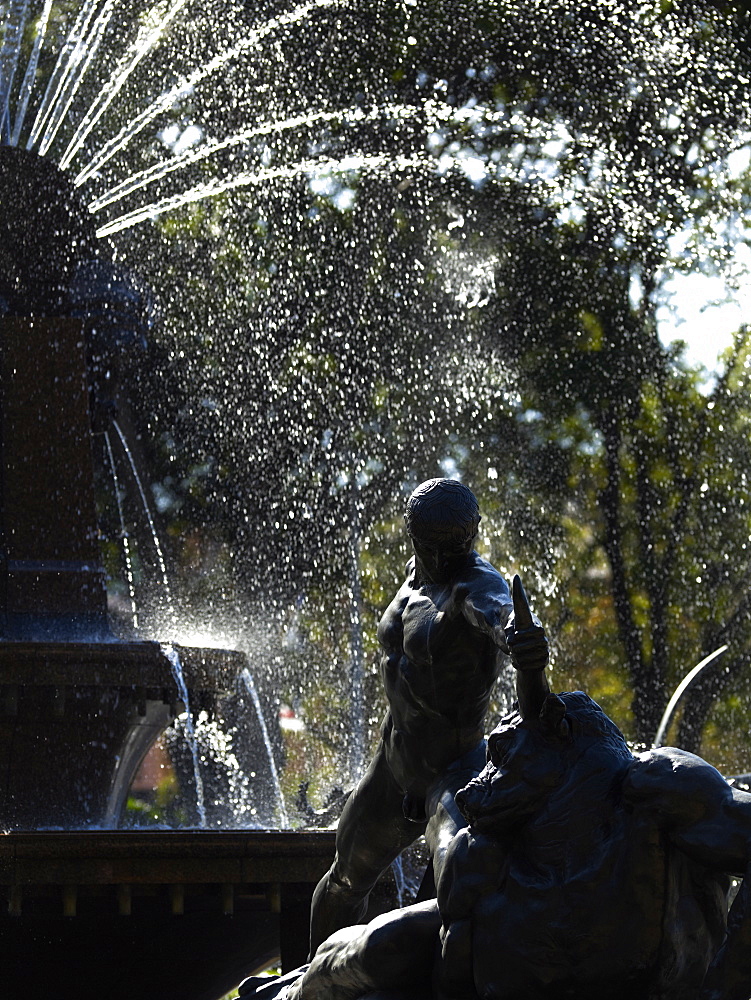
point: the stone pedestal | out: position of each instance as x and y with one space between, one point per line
51 580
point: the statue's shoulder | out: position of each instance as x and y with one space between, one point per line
483 576
680 786
399 600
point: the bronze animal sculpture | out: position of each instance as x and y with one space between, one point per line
583 871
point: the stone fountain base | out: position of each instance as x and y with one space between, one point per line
159 915
76 718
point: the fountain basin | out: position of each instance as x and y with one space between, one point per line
77 718
156 915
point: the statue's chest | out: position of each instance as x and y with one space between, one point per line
420 626
429 625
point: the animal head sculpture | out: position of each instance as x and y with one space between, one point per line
533 760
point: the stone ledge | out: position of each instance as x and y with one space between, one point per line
164 857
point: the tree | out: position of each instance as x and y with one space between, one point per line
499 183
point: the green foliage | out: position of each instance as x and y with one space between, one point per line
161 808
451 262
380 327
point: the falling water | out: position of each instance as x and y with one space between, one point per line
81 57
247 679
69 57
357 652
248 179
408 871
31 71
688 680
9 53
397 868
123 531
147 511
143 178
182 688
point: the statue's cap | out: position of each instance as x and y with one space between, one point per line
442 510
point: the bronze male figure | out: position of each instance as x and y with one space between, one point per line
444 638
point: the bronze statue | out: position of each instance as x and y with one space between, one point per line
576 869
583 871
444 638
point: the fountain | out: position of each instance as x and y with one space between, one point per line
80 709
80 706
292 205
69 687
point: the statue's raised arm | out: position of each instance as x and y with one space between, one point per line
528 647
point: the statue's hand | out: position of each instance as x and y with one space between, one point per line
525 636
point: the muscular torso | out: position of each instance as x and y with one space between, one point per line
439 663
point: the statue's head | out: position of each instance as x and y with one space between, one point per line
533 762
442 517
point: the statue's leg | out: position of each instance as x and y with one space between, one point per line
395 951
444 817
372 832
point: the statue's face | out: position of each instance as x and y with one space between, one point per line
440 562
524 769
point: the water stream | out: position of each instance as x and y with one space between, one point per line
182 688
31 72
124 536
9 53
150 520
397 868
246 679
85 42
